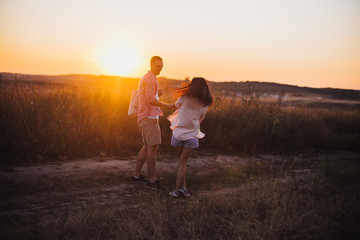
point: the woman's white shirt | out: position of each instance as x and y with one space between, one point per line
185 121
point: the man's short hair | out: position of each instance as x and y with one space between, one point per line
155 58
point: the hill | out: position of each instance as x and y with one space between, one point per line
263 90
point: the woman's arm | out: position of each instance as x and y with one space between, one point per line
179 102
203 114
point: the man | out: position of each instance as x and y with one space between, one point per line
148 120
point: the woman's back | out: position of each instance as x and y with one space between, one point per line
185 121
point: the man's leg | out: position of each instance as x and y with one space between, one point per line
151 162
140 160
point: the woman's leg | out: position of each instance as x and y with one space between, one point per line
181 174
178 151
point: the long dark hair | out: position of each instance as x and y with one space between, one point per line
197 88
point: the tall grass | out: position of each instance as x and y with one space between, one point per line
235 125
64 122
46 121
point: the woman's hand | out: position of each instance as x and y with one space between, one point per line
172 106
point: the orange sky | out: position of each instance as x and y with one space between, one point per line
313 43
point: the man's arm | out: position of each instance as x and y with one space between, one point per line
158 103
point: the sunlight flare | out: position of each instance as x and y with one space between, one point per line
119 59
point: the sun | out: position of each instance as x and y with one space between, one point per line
119 59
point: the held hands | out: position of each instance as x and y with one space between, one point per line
158 103
171 106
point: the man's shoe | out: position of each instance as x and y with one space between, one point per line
140 179
155 186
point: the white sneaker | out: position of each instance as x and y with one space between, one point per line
184 192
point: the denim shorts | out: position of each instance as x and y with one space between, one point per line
190 143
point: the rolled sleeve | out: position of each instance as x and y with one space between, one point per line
150 91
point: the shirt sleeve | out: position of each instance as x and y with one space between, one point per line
179 102
150 91
204 111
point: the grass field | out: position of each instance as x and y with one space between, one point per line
40 121
67 151
313 196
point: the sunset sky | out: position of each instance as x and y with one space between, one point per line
313 43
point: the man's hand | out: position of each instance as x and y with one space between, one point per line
172 106
158 103
160 92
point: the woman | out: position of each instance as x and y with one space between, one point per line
192 105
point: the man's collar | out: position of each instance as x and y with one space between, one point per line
152 73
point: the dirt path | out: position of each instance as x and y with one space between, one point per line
53 188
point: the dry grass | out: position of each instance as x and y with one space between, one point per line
64 121
40 122
255 201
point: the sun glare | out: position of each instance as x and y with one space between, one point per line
119 60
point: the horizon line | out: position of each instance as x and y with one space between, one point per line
170 78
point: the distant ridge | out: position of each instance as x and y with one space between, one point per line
244 87
273 88
68 77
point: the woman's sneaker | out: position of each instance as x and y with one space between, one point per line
184 192
140 179
174 194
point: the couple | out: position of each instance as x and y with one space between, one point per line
191 107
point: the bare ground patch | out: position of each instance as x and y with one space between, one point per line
32 194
